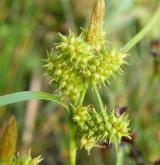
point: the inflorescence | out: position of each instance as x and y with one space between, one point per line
79 61
93 127
76 63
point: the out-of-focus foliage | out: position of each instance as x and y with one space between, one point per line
8 148
9 141
28 28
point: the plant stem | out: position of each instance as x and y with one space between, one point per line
143 32
100 102
83 94
120 156
72 140
72 143
99 98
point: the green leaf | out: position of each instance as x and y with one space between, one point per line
143 32
29 95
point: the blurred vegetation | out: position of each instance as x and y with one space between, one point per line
28 28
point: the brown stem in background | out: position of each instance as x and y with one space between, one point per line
31 113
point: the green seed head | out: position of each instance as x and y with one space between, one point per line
92 127
79 61
68 81
75 64
107 65
26 160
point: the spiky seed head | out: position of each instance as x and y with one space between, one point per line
93 127
26 160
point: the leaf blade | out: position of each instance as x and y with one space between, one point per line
142 32
29 95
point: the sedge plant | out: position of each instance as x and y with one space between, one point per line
74 64
8 154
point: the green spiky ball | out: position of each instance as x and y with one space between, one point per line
74 63
93 127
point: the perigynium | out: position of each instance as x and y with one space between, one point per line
79 61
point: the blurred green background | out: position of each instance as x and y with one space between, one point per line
29 27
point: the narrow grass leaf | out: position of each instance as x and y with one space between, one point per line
29 95
143 32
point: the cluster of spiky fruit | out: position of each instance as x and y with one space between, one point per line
67 80
26 160
76 62
93 126
79 61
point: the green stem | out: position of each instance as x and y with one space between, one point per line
143 32
120 156
72 143
99 98
72 140
100 102
83 94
